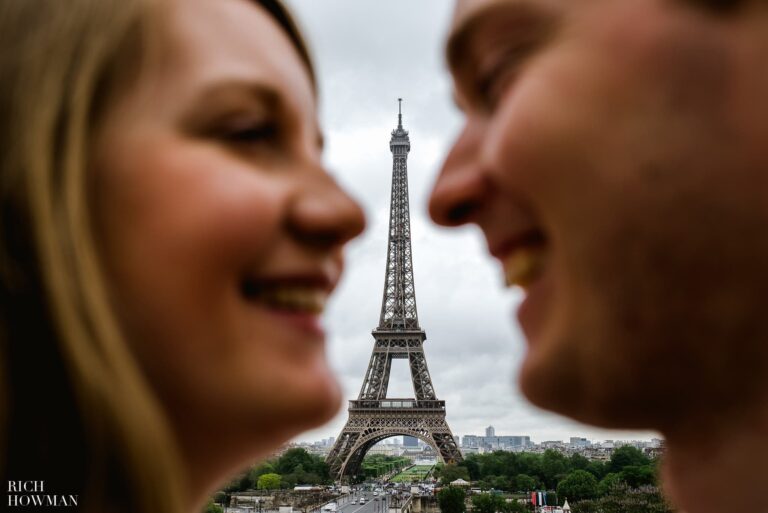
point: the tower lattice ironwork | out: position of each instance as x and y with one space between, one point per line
373 416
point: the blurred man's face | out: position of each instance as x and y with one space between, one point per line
615 154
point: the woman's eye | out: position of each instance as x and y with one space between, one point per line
252 133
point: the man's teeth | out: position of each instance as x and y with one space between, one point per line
524 265
298 299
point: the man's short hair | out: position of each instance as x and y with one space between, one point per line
718 6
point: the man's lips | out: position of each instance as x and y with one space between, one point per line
523 257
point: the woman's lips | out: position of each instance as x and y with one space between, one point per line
306 322
287 297
299 304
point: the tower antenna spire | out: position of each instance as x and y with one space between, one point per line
399 113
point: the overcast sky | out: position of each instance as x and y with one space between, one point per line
368 53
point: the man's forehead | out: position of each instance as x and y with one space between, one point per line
465 9
472 19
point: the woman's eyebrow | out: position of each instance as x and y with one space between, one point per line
242 88
232 94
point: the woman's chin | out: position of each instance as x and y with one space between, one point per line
315 398
326 403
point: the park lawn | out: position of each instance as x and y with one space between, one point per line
415 473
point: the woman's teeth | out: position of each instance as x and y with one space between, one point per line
292 298
524 265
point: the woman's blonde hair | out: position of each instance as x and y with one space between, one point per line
75 409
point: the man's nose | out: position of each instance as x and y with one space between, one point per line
461 186
323 215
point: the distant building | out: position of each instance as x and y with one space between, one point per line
506 443
578 442
490 432
386 449
410 441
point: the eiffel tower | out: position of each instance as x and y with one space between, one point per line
374 417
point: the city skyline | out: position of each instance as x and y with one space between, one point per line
368 54
652 437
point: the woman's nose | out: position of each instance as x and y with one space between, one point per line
458 193
324 216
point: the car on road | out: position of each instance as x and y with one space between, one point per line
362 500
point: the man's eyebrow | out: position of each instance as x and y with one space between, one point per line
522 15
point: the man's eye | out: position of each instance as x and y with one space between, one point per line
492 86
496 78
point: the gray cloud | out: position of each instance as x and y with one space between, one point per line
369 53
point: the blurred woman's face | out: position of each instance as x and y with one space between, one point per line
221 231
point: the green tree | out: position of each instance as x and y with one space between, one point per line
638 475
500 482
291 459
608 483
494 464
597 469
517 507
588 506
554 466
622 499
578 485
473 467
288 481
451 500
452 472
266 467
524 483
529 463
484 484
213 508
238 483
298 466
487 503
298 461
578 462
299 471
268 482
625 456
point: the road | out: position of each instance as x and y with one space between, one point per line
352 504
